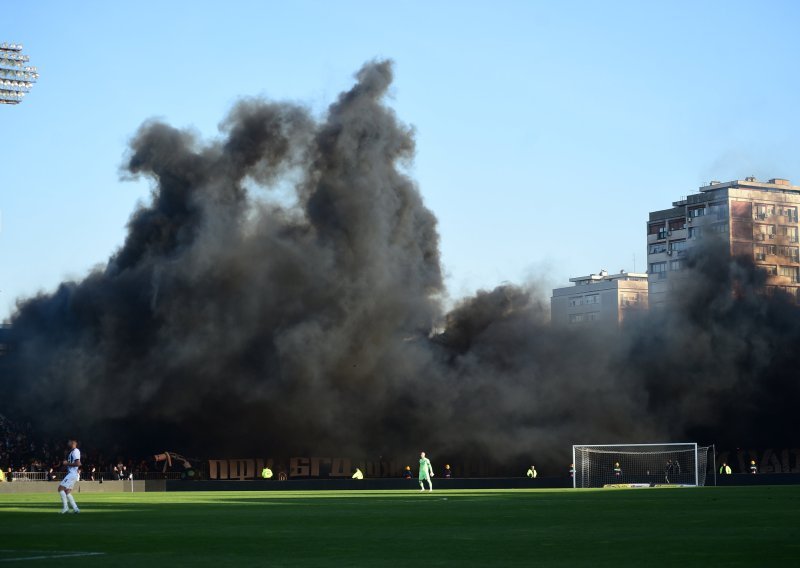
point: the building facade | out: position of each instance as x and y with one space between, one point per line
757 220
599 299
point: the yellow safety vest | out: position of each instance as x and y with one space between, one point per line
358 474
266 473
2 475
532 473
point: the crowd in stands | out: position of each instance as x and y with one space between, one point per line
22 453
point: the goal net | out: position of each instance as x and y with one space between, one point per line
640 465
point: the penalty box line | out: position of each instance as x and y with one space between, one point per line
45 556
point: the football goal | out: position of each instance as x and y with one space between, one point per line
640 465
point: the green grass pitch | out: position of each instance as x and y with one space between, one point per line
732 526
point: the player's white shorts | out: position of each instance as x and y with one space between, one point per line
69 481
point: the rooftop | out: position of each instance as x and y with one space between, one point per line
779 184
604 276
774 184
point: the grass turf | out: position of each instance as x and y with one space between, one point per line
732 526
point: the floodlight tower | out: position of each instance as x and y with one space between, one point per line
16 76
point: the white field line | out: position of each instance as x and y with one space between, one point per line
46 556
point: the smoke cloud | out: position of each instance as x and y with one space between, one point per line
231 321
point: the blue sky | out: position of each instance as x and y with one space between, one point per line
546 130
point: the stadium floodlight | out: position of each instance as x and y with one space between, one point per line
16 76
640 465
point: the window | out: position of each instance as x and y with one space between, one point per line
593 316
678 246
788 252
789 212
721 228
761 211
658 247
770 269
765 250
659 268
791 272
786 231
763 232
576 301
675 265
719 210
655 228
576 318
697 211
630 299
592 299
695 232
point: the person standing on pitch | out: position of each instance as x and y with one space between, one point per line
73 462
425 472
668 471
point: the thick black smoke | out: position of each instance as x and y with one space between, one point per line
232 322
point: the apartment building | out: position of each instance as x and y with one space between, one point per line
599 299
755 219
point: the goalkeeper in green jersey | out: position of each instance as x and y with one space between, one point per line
425 472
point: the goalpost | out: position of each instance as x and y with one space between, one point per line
640 465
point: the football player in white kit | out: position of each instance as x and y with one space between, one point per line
72 462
